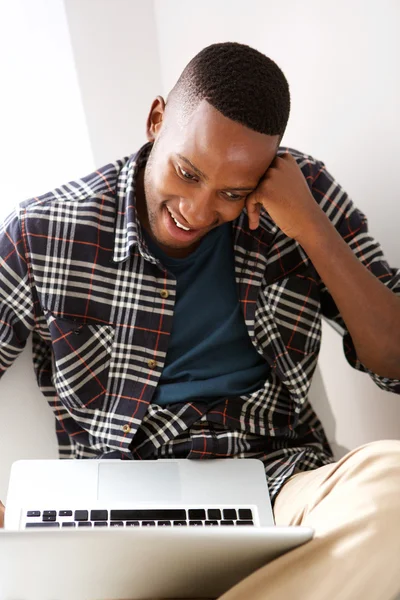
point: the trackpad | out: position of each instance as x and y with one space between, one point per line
136 482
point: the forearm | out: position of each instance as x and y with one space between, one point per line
370 310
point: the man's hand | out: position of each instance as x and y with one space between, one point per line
285 195
2 510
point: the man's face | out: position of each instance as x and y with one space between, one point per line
199 174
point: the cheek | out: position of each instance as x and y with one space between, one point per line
230 212
167 186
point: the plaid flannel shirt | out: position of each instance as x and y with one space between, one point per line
76 272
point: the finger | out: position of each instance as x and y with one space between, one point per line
253 211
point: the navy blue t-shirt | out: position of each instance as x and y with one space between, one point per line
210 354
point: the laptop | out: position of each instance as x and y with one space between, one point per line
116 529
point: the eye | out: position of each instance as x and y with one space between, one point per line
234 196
186 175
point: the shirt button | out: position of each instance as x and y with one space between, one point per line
164 294
126 428
152 363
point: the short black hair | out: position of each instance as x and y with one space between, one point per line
241 83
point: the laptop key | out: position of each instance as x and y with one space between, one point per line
49 513
81 515
148 523
84 524
99 515
230 513
212 523
117 524
50 524
158 514
132 524
180 523
65 513
163 523
33 513
51 518
196 523
214 513
245 514
196 513
69 524
227 522
244 523
100 524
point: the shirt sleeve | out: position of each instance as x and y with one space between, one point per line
352 224
16 303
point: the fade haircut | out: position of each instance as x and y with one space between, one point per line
240 82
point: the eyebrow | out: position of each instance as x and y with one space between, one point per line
204 176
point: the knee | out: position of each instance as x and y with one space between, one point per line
380 449
380 460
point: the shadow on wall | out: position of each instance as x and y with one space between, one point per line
27 423
320 402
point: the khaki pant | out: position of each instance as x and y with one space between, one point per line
354 507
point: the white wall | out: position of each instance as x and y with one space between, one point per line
353 409
44 142
43 135
341 61
116 58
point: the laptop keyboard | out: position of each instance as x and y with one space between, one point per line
159 517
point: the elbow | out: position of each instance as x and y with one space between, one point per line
384 365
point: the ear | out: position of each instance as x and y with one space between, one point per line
155 118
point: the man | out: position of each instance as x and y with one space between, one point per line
175 301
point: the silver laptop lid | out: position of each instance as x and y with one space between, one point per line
131 564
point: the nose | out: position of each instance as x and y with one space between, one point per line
199 210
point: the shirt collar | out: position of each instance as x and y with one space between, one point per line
128 231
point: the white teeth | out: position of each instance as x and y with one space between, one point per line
177 222
181 226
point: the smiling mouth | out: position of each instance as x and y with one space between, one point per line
178 224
